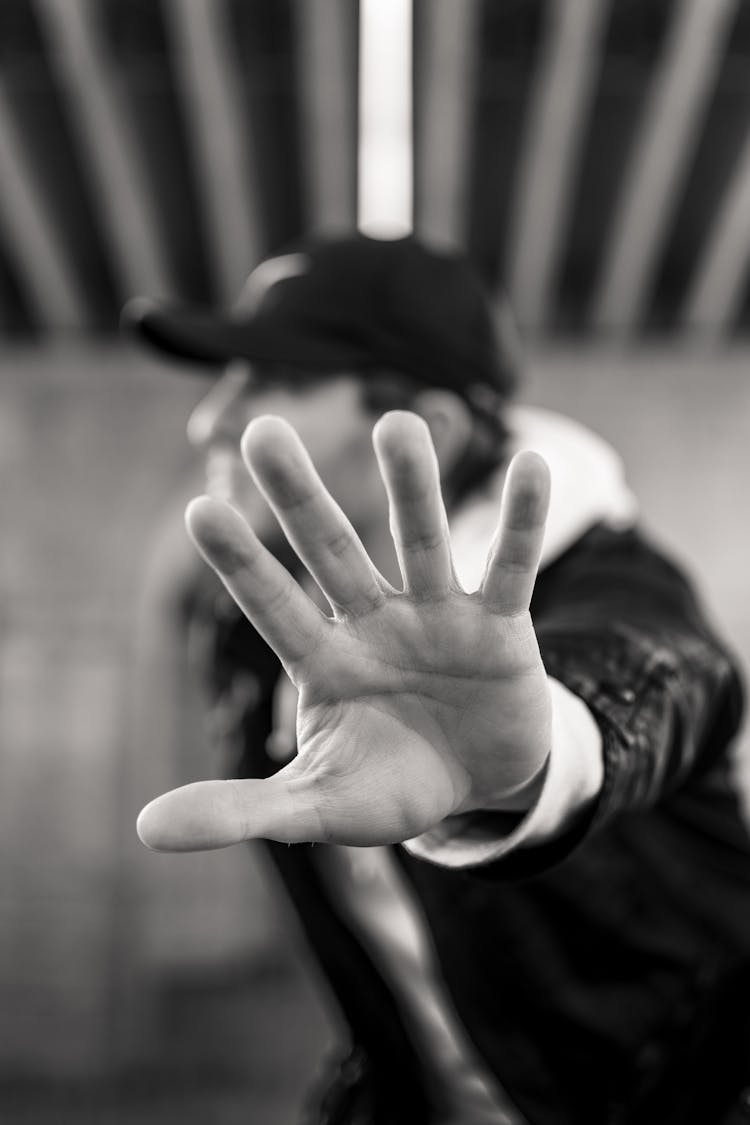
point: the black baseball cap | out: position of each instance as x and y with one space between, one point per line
353 303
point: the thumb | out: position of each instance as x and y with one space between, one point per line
216 814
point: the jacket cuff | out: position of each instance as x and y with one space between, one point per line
574 777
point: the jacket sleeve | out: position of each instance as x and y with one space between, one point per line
620 626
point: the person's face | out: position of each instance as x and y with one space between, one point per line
328 416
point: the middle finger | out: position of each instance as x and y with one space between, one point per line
419 525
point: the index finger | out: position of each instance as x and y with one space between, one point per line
262 588
517 547
314 524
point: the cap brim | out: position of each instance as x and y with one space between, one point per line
200 337
189 334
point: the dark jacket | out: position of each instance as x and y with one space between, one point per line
605 976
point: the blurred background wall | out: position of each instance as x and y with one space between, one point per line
593 157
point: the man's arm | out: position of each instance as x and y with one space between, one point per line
621 625
622 633
421 705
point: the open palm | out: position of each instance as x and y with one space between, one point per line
414 704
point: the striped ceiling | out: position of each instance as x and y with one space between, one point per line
593 156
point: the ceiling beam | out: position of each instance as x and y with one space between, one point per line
566 72
111 156
218 137
447 66
327 105
673 114
31 238
716 292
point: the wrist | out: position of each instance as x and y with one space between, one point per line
569 781
517 798
522 796
573 737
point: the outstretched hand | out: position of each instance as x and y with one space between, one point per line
414 704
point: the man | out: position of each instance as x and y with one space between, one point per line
563 936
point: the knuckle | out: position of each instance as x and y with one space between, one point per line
276 600
424 541
513 565
236 806
316 800
337 542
